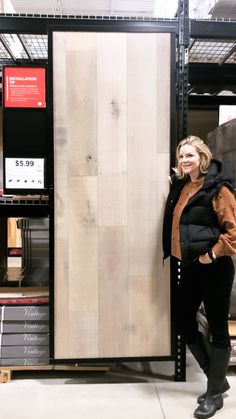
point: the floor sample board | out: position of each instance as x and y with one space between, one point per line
111 94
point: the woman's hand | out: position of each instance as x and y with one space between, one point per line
205 259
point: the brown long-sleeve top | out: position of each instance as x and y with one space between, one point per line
224 205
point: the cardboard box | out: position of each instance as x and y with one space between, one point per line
24 327
23 361
24 351
24 339
31 313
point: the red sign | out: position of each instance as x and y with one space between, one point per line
24 87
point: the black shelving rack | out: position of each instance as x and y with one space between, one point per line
184 29
40 24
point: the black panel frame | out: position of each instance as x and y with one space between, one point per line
115 26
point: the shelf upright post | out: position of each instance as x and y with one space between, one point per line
182 110
182 67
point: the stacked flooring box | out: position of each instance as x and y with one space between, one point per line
24 337
24 314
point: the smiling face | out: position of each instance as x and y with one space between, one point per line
189 161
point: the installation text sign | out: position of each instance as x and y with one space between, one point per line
24 87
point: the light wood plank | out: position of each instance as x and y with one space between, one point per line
83 245
163 91
142 157
81 41
61 197
112 100
83 334
142 105
144 215
59 94
81 85
144 338
163 270
112 192
113 292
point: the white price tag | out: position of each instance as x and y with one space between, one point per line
24 173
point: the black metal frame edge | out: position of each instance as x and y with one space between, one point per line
39 25
36 24
182 121
210 102
112 359
212 29
51 195
24 210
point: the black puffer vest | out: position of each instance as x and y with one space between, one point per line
199 229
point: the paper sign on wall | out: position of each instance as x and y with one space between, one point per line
24 173
24 87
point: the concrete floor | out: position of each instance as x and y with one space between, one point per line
123 394
135 391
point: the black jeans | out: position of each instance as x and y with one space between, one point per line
212 285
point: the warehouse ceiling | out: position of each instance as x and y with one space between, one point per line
23 48
94 7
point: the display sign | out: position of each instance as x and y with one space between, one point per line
24 87
24 173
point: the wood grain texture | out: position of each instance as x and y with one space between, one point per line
111 166
113 292
112 100
81 107
163 51
61 219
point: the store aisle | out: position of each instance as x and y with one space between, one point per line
122 395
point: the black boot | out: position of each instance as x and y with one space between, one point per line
218 368
201 351
225 386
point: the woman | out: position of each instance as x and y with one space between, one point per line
199 232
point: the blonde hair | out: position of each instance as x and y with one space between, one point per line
202 149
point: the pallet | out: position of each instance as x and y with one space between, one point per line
6 372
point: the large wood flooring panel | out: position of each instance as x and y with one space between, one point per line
116 300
